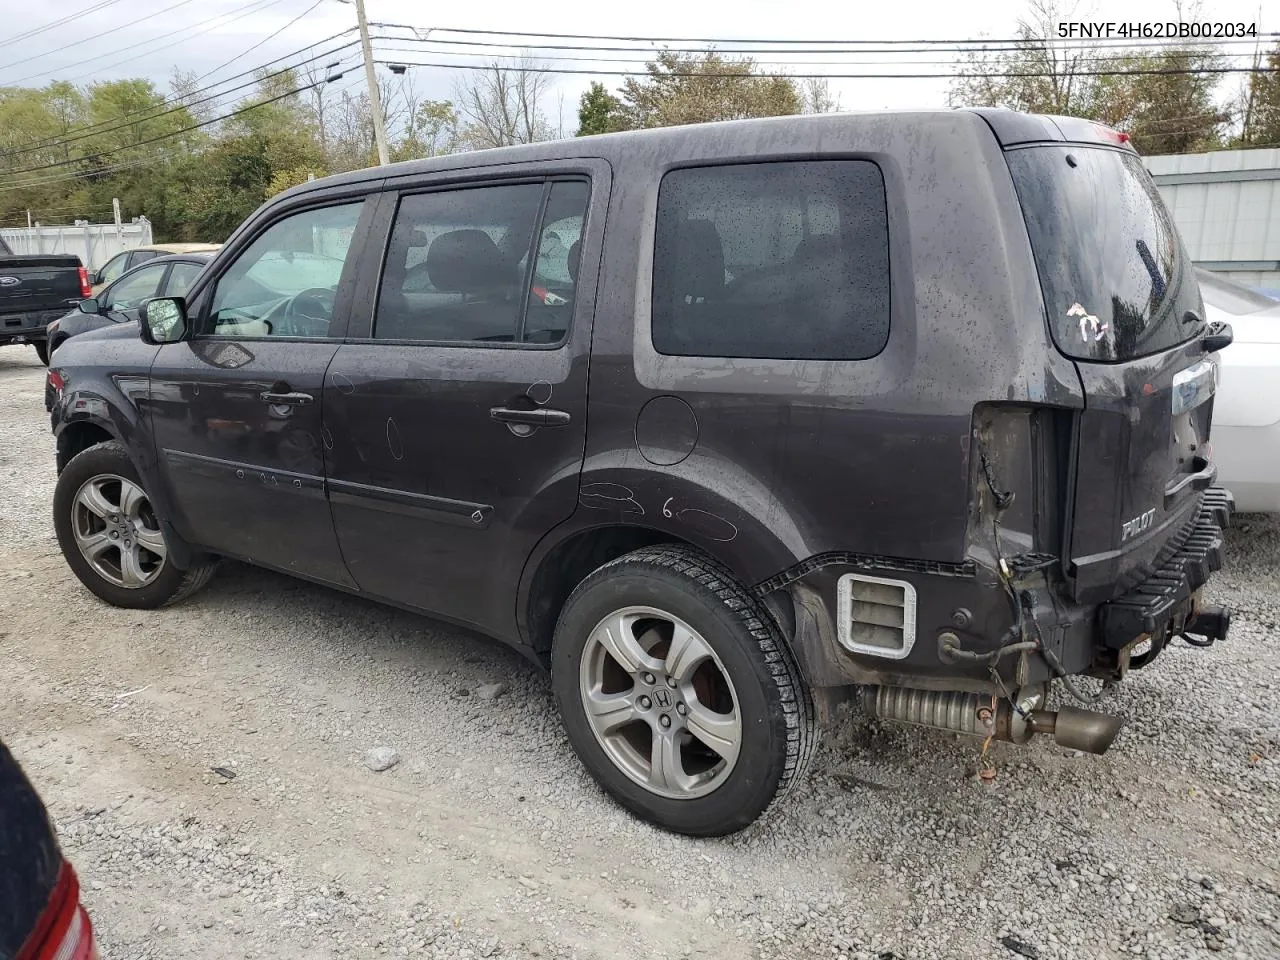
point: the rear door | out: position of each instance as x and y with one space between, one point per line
236 410
1122 301
455 414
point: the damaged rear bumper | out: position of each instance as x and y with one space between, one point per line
966 607
1164 604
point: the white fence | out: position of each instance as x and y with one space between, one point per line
93 243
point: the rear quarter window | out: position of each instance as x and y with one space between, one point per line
783 260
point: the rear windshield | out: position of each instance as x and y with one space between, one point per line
1117 283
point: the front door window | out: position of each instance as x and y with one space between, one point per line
285 283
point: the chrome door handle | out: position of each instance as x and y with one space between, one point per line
541 417
290 399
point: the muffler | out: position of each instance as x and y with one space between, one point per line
976 716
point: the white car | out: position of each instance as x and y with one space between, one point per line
1246 411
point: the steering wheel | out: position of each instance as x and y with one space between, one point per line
307 314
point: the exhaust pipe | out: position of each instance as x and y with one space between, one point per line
972 714
1078 729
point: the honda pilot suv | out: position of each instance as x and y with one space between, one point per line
724 425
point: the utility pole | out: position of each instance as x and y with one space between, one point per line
375 99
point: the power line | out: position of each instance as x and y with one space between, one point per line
79 175
255 6
168 136
642 60
270 36
772 40
93 8
959 46
76 43
183 103
990 74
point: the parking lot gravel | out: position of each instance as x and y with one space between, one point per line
209 767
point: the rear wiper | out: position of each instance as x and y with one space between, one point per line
1153 269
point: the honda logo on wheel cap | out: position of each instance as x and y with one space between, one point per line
663 697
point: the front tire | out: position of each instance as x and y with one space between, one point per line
111 536
679 694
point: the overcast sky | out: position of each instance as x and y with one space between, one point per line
107 44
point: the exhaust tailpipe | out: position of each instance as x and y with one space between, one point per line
972 714
1078 729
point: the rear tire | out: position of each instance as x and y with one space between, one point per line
707 722
111 537
42 350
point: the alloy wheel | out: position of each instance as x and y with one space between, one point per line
117 531
660 702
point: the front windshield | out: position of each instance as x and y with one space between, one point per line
1116 280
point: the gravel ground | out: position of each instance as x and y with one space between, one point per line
487 838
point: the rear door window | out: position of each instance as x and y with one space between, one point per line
1116 280
783 260
458 264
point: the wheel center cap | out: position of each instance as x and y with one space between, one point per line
663 698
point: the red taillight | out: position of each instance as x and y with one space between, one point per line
63 931
55 379
1114 136
86 291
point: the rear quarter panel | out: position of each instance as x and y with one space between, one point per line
796 458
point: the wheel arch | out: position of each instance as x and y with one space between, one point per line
82 432
78 436
561 564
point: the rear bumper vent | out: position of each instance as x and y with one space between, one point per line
876 616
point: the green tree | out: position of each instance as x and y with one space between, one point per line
430 131
1260 105
599 111
681 88
1164 112
1164 98
1034 74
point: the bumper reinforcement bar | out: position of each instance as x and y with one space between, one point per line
1148 607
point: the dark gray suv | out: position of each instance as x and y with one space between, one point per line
722 424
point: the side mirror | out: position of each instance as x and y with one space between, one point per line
95 278
90 306
164 320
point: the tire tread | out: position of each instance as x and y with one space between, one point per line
802 735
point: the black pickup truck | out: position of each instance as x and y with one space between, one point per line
35 290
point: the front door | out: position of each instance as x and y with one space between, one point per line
236 410
455 428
